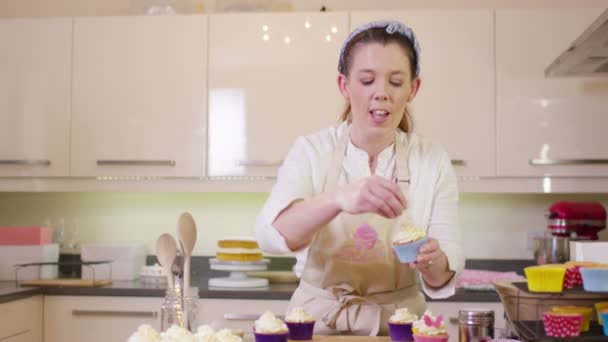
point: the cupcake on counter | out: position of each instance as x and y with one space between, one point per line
407 242
400 325
430 329
300 324
269 328
145 333
177 334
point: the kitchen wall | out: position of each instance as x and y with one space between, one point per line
495 226
45 8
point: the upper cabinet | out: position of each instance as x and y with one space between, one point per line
139 96
272 77
35 67
547 126
455 103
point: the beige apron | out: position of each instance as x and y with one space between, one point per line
352 282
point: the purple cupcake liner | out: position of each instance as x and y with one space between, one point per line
400 332
408 252
300 331
278 337
595 279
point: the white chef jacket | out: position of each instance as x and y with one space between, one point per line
432 180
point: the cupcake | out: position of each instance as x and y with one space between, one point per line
585 311
430 329
562 324
400 325
407 242
205 333
595 278
599 307
300 324
268 328
145 333
546 278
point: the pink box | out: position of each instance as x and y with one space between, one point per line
13 236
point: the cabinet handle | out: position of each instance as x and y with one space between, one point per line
458 162
260 163
244 317
111 313
30 162
564 161
6 338
115 162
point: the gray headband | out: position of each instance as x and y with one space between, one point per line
392 27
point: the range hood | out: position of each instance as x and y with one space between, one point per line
587 55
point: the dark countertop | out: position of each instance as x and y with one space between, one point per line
9 291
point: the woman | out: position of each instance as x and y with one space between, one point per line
343 193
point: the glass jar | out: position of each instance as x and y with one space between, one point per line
171 310
191 308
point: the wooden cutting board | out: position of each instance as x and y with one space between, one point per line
66 282
276 276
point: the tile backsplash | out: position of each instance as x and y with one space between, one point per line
495 226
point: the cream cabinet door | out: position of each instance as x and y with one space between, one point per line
35 74
139 96
21 320
272 77
455 103
547 126
92 319
237 314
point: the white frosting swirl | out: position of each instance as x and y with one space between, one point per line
409 233
403 315
422 328
269 324
299 315
177 334
144 333
225 335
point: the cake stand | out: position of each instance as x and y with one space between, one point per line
238 278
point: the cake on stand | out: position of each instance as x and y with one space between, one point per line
238 277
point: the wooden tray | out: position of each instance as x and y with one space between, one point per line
66 282
276 276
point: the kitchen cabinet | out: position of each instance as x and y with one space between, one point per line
35 97
449 310
21 320
91 319
237 314
546 125
272 77
139 96
455 103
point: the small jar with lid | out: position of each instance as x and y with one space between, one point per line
475 325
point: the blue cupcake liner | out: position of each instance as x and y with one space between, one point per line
595 279
408 252
604 318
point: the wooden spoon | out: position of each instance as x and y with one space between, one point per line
186 231
166 250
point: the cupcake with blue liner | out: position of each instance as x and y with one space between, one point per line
604 319
300 324
407 243
400 325
269 328
595 278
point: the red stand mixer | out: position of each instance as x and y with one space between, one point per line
576 220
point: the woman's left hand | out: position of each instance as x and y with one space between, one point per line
433 264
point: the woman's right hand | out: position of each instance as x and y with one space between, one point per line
373 194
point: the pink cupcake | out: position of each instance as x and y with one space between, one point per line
268 328
562 324
365 237
430 329
400 325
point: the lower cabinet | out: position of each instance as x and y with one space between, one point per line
96 318
21 320
449 311
237 314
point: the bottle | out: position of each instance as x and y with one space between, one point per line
475 324
171 310
191 308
